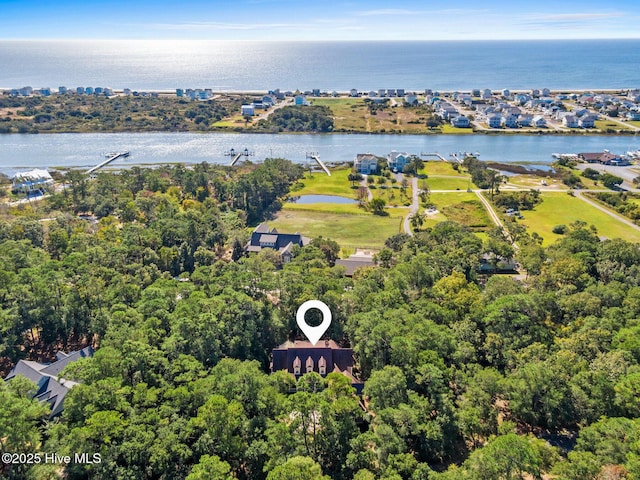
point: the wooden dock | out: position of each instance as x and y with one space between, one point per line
113 157
316 157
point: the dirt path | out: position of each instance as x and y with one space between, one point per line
622 219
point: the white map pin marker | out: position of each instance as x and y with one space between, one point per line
313 333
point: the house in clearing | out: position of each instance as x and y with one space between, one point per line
263 237
366 163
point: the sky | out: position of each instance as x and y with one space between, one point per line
319 19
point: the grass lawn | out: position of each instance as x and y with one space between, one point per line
605 125
346 224
561 208
441 168
462 207
352 114
448 128
534 181
319 183
393 195
436 182
234 121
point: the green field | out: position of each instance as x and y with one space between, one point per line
393 194
605 125
346 224
561 208
436 167
318 183
436 182
463 207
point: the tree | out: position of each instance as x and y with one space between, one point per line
611 181
377 205
297 468
210 468
386 388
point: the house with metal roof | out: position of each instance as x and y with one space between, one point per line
50 387
264 237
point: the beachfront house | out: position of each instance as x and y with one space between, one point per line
411 99
366 163
353 92
396 161
300 100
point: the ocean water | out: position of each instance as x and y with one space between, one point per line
229 66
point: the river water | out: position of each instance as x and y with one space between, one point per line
25 151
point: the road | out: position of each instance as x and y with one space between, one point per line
492 213
620 218
415 206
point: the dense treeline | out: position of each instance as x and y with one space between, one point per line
308 118
466 377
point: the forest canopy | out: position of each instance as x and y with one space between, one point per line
466 376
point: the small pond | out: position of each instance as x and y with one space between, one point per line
306 199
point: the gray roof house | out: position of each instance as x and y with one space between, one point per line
50 387
263 237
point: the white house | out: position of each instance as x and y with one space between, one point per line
353 92
570 121
247 110
31 181
587 121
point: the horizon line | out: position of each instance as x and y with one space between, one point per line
345 40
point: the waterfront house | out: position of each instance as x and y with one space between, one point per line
570 121
590 157
545 92
506 93
494 121
535 93
487 94
300 100
400 92
247 110
50 387
587 121
391 92
62 90
353 92
461 122
366 163
263 237
510 120
36 180
525 120
397 161
539 121
382 92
